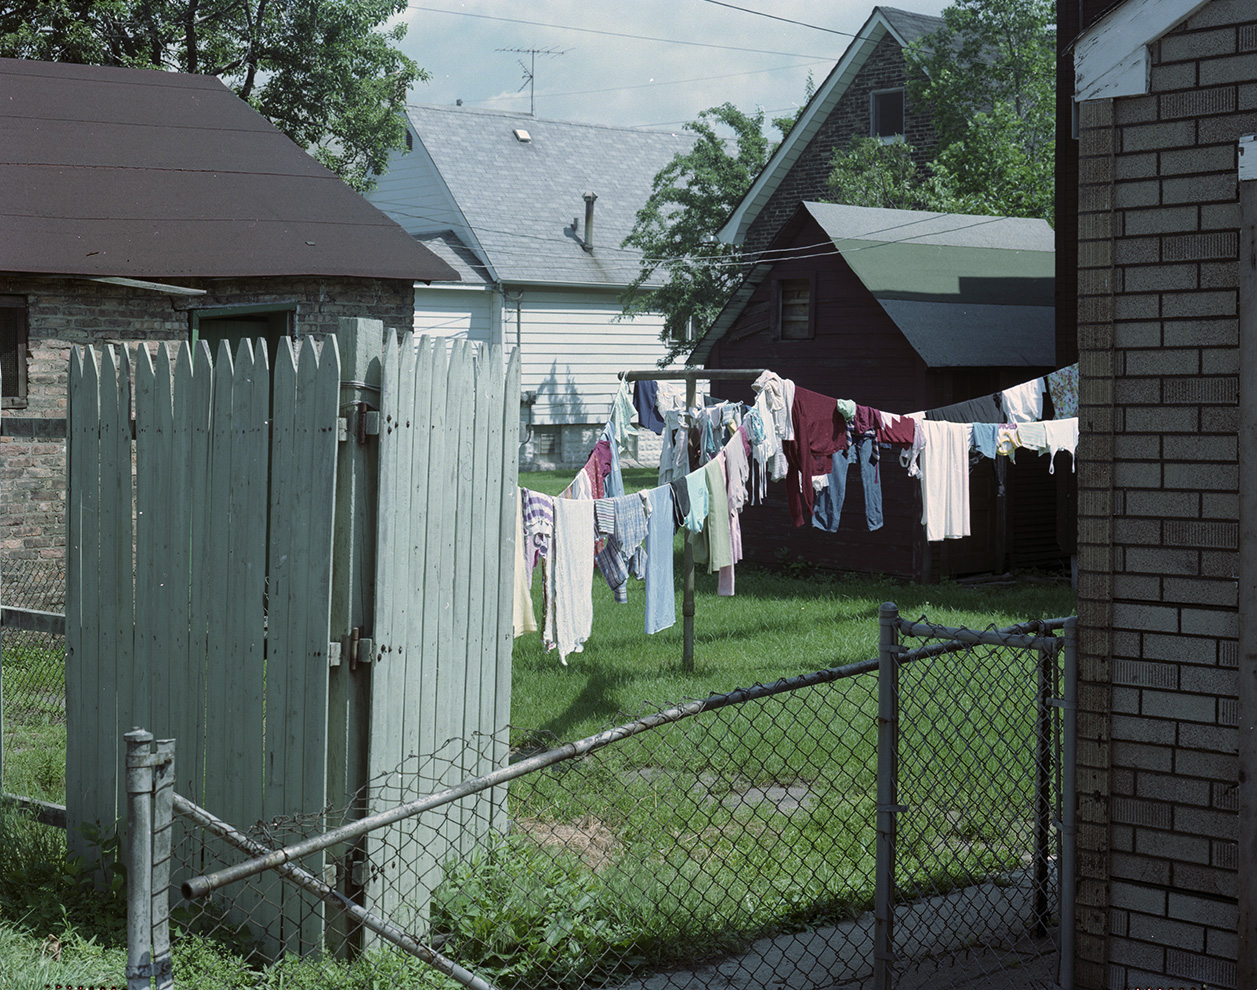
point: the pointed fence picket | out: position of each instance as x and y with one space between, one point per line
201 579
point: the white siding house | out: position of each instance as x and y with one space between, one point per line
502 198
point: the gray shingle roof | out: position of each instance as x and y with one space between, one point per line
910 25
139 173
520 198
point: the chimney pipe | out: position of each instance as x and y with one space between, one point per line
588 242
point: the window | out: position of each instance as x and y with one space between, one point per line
14 332
794 309
234 323
886 114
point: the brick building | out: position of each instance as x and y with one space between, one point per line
147 206
1165 91
864 96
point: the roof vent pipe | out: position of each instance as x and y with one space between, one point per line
588 242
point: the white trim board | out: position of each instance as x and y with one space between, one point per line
1111 57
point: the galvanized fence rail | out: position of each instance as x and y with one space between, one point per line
760 836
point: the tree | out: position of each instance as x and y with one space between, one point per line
869 173
988 77
323 71
690 199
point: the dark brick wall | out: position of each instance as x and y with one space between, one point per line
1158 511
806 180
65 312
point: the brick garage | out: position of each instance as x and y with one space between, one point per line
1158 528
64 312
149 206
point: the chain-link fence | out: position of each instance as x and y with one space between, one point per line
729 841
978 784
32 668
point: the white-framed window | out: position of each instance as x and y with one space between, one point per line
886 113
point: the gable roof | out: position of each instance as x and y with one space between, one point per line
902 25
513 201
149 174
966 291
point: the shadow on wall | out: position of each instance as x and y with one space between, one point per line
565 436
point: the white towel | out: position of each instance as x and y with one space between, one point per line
525 620
943 466
569 577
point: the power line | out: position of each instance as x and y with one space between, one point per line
784 20
615 34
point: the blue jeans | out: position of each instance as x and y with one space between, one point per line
827 506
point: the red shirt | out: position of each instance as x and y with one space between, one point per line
820 431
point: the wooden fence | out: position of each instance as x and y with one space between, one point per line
299 573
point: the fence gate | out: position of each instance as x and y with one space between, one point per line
271 568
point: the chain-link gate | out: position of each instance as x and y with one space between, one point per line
730 840
976 804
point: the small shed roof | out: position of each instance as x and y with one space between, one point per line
966 291
517 182
146 174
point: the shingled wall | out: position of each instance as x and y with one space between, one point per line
65 312
1158 512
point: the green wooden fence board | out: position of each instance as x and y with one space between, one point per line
204 621
221 706
104 703
161 551
317 407
182 565
80 621
506 632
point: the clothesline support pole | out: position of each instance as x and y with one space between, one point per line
690 377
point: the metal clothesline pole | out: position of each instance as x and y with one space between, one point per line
690 376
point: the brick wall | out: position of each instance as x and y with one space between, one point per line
65 312
806 180
1158 512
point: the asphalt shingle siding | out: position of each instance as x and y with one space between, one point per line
1158 512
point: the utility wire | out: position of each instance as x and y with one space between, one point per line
616 34
784 20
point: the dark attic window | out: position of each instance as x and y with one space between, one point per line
794 308
14 330
886 113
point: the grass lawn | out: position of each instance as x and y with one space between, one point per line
694 839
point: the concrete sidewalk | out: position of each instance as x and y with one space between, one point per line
932 936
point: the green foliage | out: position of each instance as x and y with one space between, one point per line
323 71
988 78
690 199
869 172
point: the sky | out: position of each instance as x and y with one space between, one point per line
630 63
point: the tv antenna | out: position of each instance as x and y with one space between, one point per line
530 70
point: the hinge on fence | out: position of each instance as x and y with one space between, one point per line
358 873
333 653
359 648
342 428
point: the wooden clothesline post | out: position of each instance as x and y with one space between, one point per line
690 376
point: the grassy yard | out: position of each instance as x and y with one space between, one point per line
677 843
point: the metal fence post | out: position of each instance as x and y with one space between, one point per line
887 795
1042 790
163 827
139 859
1069 801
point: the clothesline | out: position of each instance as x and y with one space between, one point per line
788 432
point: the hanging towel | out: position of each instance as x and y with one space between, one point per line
899 430
660 591
1023 403
525 619
680 502
1063 388
538 525
1032 436
720 553
985 409
696 488
985 436
674 458
943 468
1006 441
738 468
622 417
569 595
